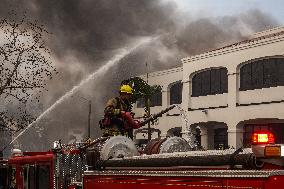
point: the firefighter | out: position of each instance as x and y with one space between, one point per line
118 118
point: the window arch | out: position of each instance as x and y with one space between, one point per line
156 100
140 103
210 82
176 93
175 131
262 73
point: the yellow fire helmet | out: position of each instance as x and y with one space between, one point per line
126 89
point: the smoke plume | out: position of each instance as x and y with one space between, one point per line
85 34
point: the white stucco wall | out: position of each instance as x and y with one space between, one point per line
232 108
233 58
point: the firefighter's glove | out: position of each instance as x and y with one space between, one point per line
131 123
124 114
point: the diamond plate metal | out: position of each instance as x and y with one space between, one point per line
207 173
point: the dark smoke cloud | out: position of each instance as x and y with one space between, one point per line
95 28
85 34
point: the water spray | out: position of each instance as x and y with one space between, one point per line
116 59
188 131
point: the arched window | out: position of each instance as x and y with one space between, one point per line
263 73
141 103
176 131
156 100
176 93
210 82
221 138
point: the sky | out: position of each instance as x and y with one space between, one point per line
209 8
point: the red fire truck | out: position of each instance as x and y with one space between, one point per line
115 162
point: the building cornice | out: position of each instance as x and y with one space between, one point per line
247 44
267 32
260 103
164 72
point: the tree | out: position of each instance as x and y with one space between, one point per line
142 90
25 66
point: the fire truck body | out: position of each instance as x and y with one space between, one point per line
256 168
43 170
41 166
31 170
259 167
126 179
3 173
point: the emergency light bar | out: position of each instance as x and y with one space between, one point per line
263 137
263 145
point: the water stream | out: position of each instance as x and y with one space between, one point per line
188 132
98 73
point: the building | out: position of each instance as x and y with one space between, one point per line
227 93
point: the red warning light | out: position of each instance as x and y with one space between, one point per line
263 137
